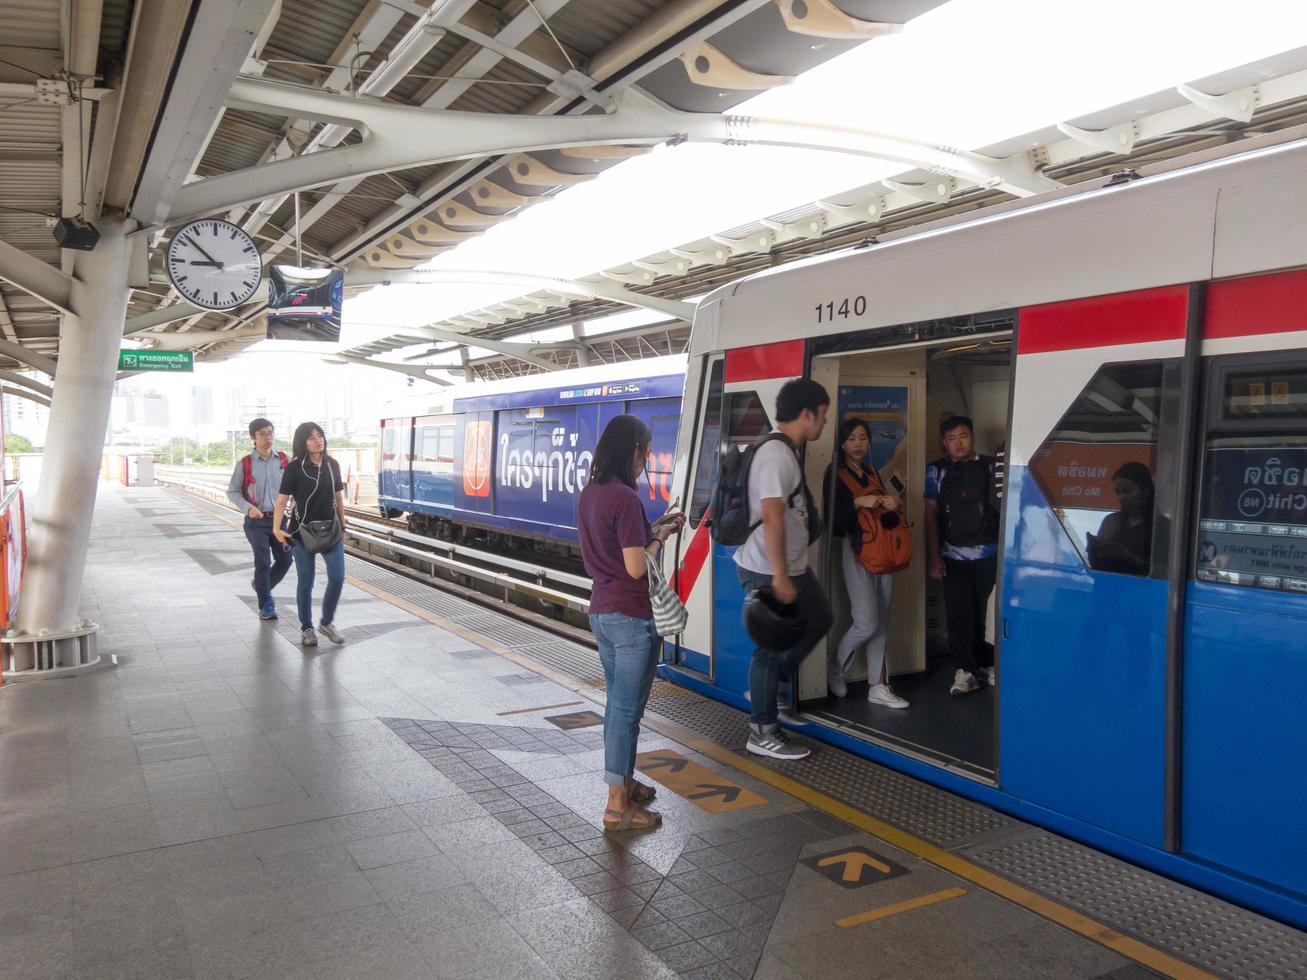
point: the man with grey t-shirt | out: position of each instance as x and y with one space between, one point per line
776 555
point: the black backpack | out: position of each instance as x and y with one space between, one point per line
729 510
967 516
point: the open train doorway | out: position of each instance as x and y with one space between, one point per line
902 393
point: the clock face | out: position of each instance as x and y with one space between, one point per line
214 264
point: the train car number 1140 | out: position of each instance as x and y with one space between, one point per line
830 310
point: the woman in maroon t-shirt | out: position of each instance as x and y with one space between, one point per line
615 536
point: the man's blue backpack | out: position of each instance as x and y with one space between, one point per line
728 512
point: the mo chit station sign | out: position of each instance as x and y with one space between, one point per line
156 360
1078 475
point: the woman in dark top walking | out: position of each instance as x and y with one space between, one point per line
313 481
615 537
869 593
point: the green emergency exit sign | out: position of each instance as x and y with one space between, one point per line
156 360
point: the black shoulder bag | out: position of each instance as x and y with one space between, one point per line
319 536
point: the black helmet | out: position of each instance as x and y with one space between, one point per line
772 624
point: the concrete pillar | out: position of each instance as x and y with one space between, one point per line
468 374
79 417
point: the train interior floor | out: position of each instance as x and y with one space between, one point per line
224 803
956 729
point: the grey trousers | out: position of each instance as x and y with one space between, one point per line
869 598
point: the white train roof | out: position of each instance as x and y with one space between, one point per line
438 402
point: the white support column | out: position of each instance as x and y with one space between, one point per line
584 356
48 624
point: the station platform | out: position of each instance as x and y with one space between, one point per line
425 802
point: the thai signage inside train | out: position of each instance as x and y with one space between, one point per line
1079 474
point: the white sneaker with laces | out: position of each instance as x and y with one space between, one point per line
989 676
881 694
331 633
964 682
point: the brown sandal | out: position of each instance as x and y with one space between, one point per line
626 819
641 794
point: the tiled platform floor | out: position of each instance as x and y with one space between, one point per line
225 804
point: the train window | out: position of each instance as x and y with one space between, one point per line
445 444
746 420
428 442
1103 464
1252 527
705 467
389 438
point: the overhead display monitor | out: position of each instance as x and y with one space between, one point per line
304 304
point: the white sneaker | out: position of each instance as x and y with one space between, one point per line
309 638
881 694
835 683
331 633
988 675
964 682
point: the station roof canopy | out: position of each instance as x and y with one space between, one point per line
167 109
122 106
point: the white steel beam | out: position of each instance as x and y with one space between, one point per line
31 275
412 370
31 396
25 355
516 33
22 381
402 137
219 42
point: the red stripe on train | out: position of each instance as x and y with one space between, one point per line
781 360
695 555
1257 305
1104 321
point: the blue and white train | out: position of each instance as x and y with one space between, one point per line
502 463
1160 323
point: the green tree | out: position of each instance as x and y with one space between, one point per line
18 444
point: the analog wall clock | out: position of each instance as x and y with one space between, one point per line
214 264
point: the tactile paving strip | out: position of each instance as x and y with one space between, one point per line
1220 937
930 813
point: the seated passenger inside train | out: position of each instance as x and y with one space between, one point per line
1125 539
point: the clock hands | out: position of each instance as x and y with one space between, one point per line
199 248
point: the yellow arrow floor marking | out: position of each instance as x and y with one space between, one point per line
854 862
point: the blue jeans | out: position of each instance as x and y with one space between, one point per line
271 560
767 666
628 650
304 572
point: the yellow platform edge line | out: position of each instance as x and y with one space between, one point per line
885 911
1137 950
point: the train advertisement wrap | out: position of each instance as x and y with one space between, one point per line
1254 526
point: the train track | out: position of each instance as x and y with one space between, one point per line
547 597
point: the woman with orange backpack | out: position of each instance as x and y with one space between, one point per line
876 543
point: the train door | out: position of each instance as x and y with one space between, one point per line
663 416
1092 501
402 484
1242 794
474 450
736 409
901 392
